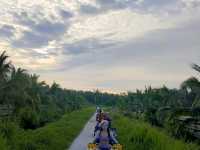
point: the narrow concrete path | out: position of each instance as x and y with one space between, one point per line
85 137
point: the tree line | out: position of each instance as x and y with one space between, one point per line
31 103
177 110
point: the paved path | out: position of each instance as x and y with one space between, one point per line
85 137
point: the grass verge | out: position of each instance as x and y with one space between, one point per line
138 135
55 136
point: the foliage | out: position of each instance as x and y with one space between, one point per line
28 118
34 102
3 145
57 135
196 67
138 135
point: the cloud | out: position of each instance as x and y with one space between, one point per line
111 44
30 40
49 28
89 45
160 57
146 6
103 6
6 31
88 9
157 3
112 4
191 3
65 14
40 32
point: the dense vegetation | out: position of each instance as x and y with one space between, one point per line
138 135
54 136
57 135
178 110
32 103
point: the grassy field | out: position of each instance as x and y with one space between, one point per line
138 135
55 136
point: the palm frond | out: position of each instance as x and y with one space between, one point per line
196 67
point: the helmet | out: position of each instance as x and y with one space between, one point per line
99 110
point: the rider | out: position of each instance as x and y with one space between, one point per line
104 138
97 109
107 117
99 117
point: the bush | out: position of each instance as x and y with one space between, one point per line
7 129
150 116
28 118
138 135
54 136
3 145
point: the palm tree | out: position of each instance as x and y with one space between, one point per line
4 70
192 88
14 88
197 100
4 67
191 83
19 79
196 67
54 88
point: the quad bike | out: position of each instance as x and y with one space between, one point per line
115 146
92 146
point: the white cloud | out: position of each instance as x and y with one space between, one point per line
71 35
116 25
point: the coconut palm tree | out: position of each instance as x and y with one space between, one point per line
196 103
196 67
14 89
191 83
4 67
18 77
192 88
4 71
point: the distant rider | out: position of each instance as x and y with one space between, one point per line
99 117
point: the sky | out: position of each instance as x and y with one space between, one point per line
110 45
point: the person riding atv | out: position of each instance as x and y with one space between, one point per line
104 138
102 116
107 117
99 117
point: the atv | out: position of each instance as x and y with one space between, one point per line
113 145
92 146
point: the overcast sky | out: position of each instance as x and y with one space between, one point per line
112 45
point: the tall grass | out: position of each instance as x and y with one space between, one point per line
54 136
3 145
138 135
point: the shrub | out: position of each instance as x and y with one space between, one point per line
7 129
138 135
3 145
28 118
54 136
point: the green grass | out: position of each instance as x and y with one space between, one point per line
3 145
138 135
54 136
